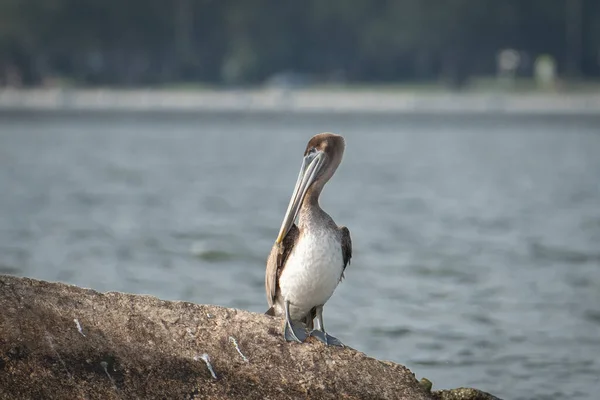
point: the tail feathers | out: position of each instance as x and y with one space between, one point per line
309 323
271 311
309 320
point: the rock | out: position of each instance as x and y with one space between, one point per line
426 384
462 394
63 342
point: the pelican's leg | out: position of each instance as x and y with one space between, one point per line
321 334
293 332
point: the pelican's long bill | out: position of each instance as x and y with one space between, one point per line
311 165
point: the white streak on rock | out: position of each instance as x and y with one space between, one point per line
104 365
237 347
79 326
51 343
205 357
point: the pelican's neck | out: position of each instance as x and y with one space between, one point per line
311 214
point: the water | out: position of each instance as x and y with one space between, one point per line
476 239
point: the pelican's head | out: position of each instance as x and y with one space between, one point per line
322 156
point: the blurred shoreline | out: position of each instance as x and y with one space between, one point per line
297 101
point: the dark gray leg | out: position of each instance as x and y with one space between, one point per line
321 334
293 332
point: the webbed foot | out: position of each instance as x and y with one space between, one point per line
294 332
326 338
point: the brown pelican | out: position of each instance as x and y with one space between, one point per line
308 259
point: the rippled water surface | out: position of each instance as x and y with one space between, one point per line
476 239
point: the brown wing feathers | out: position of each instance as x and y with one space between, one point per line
346 248
279 254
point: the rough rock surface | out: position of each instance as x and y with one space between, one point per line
63 342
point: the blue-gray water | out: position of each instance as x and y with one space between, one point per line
476 239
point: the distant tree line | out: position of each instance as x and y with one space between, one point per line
144 42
